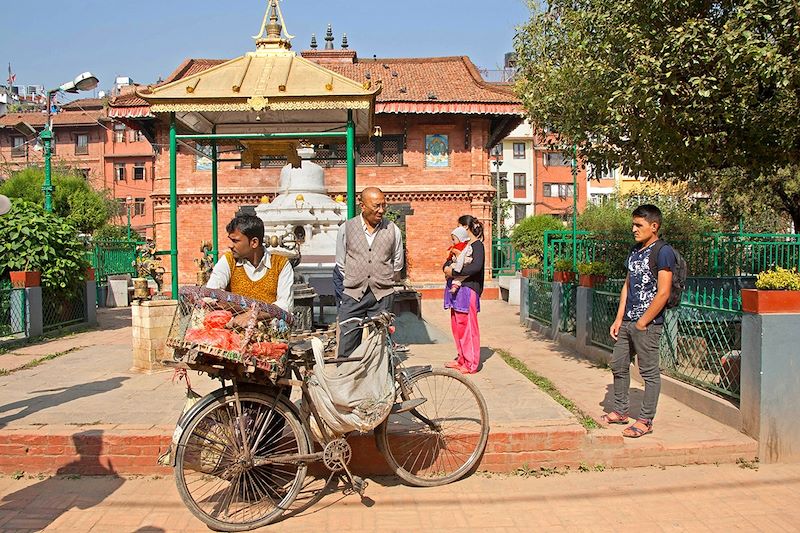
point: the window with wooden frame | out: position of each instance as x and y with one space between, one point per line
557 190
519 213
18 146
119 132
139 171
119 171
519 150
81 144
520 184
138 207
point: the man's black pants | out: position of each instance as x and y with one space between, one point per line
367 306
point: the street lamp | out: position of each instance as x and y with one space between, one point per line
497 164
574 207
128 204
83 82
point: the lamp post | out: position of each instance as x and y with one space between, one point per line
128 204
83 82
574 207
497 164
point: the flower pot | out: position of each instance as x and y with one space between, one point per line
526 272
25 278
768 301
590 280
140 289
564 277
89 274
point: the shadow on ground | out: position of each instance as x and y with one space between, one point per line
39 505
35 404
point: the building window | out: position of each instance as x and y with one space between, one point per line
497 150
135 136
138 171
503 183
138 207
519 150
519 213
119 171
119 133
600 198
383 151
18 147
82 144
557 190
520 184
556 159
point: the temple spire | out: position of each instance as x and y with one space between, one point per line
273 34
329 38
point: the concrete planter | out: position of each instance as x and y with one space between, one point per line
766 302
26 278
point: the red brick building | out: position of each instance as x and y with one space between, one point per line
110 155
438 120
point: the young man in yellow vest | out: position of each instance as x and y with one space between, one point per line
249 269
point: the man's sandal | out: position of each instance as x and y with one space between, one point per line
634 432
614 418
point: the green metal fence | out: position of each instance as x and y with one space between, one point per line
505 259
568 307
711 254
605 302
12 311
702 340
60 310
113 257
540 298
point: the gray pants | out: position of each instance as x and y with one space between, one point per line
367 306
645 345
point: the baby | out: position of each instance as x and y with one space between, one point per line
460 253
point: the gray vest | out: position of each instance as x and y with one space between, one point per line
365 266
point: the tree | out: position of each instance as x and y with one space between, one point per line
672 90
73 198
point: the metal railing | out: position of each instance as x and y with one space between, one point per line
12 311
568 308
60 310
505 259
113 257
710 254
605 302
540 298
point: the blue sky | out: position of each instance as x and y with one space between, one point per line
50 42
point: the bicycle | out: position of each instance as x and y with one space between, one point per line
241 453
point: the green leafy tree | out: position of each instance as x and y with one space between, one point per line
32 239
672 90
73 198
528 236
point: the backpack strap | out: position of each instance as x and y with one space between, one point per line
653 259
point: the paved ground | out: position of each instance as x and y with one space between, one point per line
696 498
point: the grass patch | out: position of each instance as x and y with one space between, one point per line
39 361
748 465
546 386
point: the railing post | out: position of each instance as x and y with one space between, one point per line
555 309
34 319
583 318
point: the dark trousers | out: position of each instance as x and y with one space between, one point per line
368 305
645 345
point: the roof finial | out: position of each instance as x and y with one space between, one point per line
329 38
344 41
313 41
270 36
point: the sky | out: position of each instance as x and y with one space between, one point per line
49 43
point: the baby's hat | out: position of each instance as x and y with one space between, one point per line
461 234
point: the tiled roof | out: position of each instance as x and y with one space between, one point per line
64 118
421 85
84 104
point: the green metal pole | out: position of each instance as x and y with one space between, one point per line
351 165
214 206
173 203
574 207
47 137
129 220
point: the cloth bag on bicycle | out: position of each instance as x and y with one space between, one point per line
355 395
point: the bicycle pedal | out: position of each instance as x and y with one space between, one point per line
359 485
408 405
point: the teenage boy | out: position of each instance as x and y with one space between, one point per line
640 318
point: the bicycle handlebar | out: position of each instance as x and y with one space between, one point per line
384 318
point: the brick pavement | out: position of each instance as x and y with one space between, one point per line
695 498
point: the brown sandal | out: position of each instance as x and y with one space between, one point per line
634 432
614 418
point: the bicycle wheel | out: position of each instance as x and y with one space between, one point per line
219 483
442 435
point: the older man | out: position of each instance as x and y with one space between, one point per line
369 252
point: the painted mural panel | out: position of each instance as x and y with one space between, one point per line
437 151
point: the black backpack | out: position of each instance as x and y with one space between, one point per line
679 275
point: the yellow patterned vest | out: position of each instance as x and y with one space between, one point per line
265 289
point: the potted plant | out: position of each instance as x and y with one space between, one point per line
593 274
528 264
25 277
777 291
563 271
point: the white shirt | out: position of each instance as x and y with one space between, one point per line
221 277
341 244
